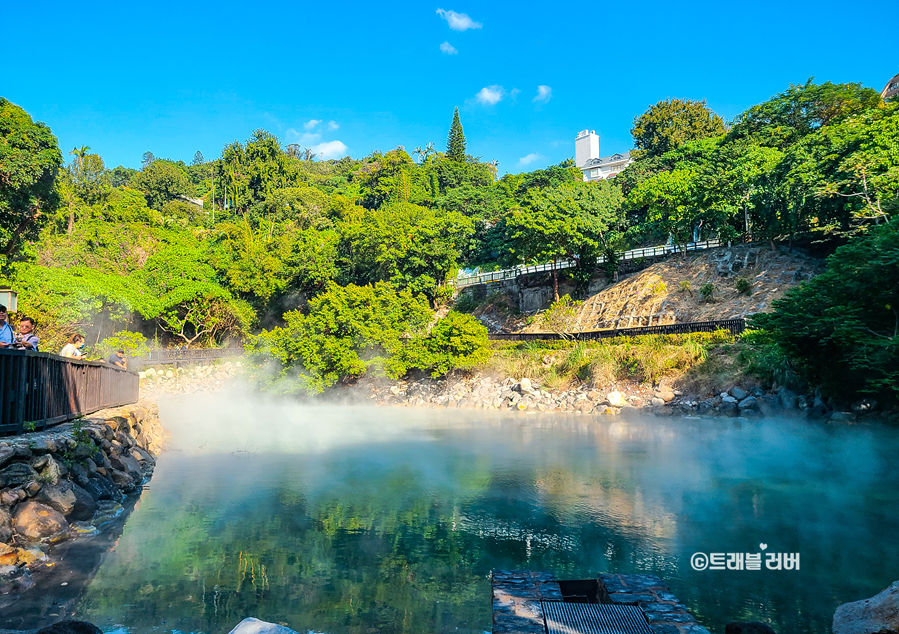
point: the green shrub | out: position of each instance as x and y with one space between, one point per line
659 287
456 341
707 291
465 303
685 286
561 316
743 285
133 343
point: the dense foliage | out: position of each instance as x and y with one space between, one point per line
338 267
842 327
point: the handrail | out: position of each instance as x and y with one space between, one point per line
633 254
736 326
159 357
44 389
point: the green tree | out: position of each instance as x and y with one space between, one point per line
455 140
29 163
670 198
161 182
198 158
842 328
670 123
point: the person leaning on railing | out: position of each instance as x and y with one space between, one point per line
73 349
7 336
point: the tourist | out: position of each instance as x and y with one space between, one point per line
119 359
7 336
72 350
27 340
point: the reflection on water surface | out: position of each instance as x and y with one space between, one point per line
351 520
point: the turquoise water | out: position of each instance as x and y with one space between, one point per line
354 520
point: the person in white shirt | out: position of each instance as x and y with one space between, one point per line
73 349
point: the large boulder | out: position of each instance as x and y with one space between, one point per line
58 496
85 505
787 399
35 521
7 453
616 399
127 464
869 616
16 475
255 626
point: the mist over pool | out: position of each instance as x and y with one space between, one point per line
359 520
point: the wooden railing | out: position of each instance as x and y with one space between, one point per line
633 254
736 326
38 390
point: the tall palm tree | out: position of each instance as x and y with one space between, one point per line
80 153
419 153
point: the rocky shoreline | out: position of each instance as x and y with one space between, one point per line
526 395
69 481
206 378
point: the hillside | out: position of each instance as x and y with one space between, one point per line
669 292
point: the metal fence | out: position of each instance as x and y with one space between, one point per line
184 357
736 326
633 254
43 389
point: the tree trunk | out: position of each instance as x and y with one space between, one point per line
8 249
555 281
71 227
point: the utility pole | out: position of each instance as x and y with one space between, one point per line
212 176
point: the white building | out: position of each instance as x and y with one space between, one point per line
592 165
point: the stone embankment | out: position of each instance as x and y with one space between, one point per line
70 481
197 378
662 400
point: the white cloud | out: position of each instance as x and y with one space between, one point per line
333 125
458 21
311 124
448 48
530 158
514 93
305 139
490 95
330 150
544 94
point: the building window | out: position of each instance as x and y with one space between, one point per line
594 173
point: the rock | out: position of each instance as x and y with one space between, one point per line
729 399
122 480
749 402
868 616
35 521
44 446
70 627
16 475
657 402
756 391
53 470
841 417
8 498
255 626
738 394
5 526
7 453
729 408
787 399
128 465
524 386
665 396
85 505
101 488
753 627
616 399
704 408
59 496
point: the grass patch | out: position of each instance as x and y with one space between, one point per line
645 359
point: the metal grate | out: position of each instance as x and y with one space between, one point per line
593 618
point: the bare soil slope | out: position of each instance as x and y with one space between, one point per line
668 292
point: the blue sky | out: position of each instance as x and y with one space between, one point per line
177 77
